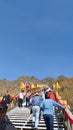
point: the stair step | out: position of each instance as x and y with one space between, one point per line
22 119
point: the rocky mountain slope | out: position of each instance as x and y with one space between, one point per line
66 90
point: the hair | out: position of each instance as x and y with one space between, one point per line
47 95
22 90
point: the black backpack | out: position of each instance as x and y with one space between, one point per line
5 124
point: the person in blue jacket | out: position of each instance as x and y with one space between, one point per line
47 107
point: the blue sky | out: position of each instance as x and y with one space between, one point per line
36 38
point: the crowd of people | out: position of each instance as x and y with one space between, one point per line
42 101
45 104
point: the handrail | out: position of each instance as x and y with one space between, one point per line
67 115
67 112
69 119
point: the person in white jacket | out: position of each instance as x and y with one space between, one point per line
20 98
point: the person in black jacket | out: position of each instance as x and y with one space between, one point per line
6 100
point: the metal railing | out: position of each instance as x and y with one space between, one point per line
68 119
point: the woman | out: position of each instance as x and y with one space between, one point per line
47 107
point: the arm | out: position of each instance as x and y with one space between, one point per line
58 105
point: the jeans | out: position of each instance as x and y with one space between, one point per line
36 112
48 121
27 102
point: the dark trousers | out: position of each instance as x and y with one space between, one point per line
20 101
27 102
48 121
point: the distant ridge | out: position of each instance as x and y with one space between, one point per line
66 83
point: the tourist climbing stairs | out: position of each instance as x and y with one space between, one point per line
22 119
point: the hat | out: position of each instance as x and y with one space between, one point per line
36 93
49 89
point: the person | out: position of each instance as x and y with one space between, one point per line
51 93
47 108
28 96
21 98
36 101
42 94
5 123
6 100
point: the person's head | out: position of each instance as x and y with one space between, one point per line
36 94
47 95
5 92
48 89
22 90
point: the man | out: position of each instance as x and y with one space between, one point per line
6 100
36 101
21 96
47 107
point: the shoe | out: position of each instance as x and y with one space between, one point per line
36 128
32 124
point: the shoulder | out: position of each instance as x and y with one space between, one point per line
8 125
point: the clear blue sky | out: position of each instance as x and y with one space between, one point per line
36 38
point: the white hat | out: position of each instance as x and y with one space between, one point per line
49 89
36 93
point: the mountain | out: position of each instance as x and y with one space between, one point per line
66 83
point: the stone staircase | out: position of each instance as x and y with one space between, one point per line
22 119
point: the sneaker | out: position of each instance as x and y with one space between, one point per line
36 128
32 124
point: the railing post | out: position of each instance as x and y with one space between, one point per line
69 125
72 126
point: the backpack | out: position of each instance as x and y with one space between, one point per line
5 124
